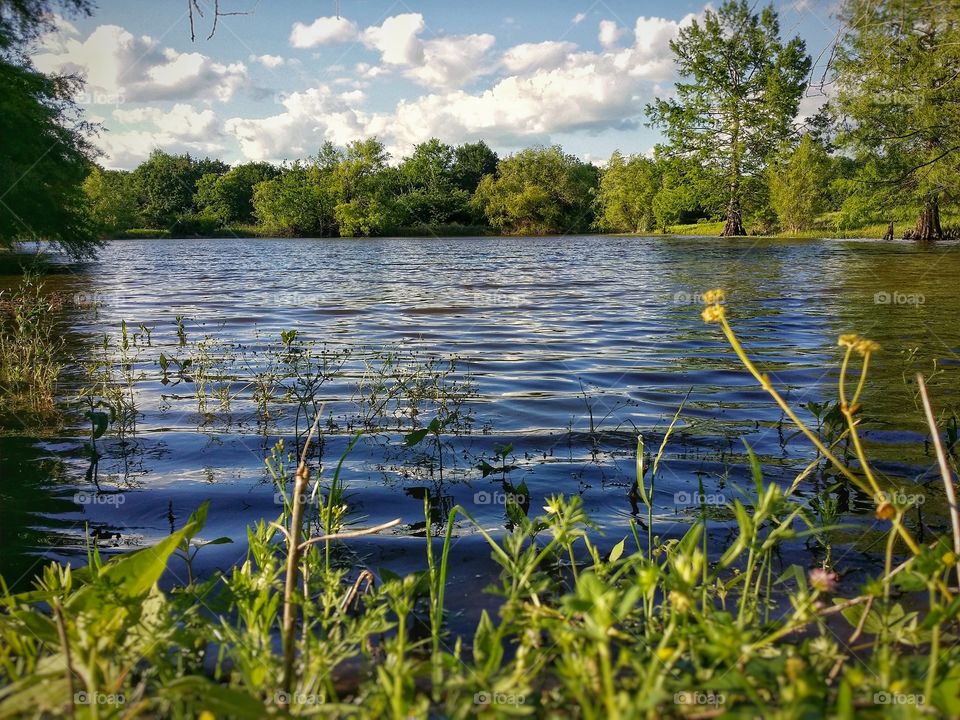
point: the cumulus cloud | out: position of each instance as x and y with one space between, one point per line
270 61
323 31
579 18
443 62
610 33
552 88
532 56
180 129
117 63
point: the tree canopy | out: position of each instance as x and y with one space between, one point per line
738 97
898 74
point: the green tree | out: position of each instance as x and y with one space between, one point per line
45 155
471 161
229 197
539 191
898 102
300 202
738 99
626 192
167 184
798 185
426 190
111 198
361 185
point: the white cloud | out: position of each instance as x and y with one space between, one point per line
444 62
323 31
117 63
609 33
553 89
532 56
397 40
579 18
182 121
180 129
270 61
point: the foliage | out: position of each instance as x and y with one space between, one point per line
741 91
626 192
471 161
539 191
426 187
44 157
30 346
798 185
229 197
111 198
298 202
898 72
166 185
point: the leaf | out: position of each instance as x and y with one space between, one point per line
221 700
755 469
640 470
133 574
415 437
617 551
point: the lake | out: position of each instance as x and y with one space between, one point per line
564 349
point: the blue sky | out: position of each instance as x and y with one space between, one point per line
275 83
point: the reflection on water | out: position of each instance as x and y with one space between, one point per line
570 347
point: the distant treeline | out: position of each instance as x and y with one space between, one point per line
355 192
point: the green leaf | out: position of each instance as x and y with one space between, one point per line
208 695
133 574
617 551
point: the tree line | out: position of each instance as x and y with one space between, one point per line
885 146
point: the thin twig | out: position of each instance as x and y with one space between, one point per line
350 534
944 469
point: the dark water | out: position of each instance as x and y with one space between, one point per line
571 346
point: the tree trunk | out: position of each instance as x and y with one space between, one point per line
928 224
889 234
734 225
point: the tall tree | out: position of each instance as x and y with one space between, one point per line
229 197
167 185
625 196
471 161
898 72
426 190
45 154
112 199
798 185
539 191
738 99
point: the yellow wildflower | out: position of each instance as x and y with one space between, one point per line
665 653
712 297
865 346
850 340
885 511
949 558
713 313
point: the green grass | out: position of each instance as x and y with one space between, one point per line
825 228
